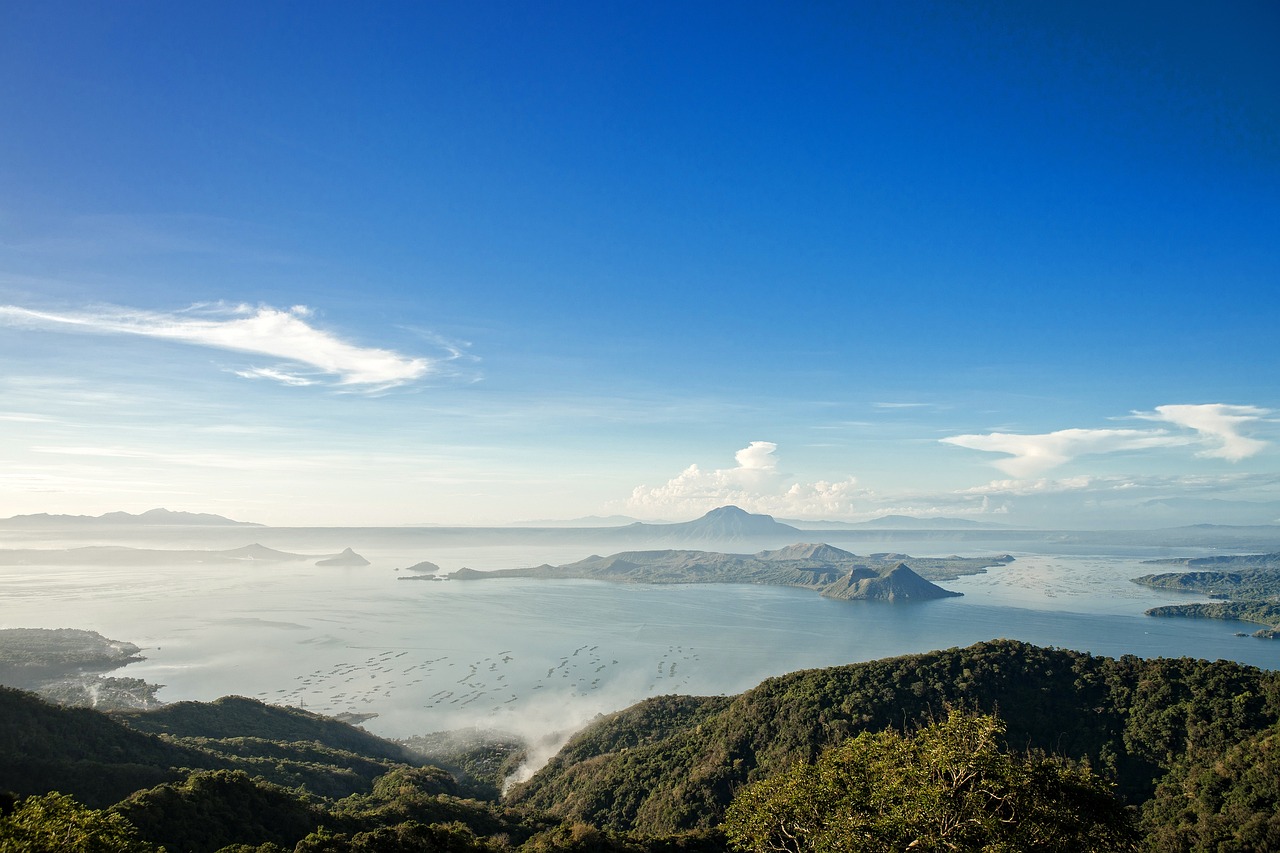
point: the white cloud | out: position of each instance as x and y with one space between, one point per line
24 418
273 374
755 485
1032 454
1180 484
1218 424
1041 486
1215 425
259 331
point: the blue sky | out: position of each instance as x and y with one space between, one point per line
477 263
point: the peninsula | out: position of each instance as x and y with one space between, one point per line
1247 584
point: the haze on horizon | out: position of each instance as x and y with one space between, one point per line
481 264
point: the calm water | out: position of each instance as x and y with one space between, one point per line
532 656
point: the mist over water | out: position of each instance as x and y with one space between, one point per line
541 658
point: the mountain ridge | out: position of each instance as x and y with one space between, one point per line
151 517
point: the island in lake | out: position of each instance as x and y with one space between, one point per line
1248 584
830 571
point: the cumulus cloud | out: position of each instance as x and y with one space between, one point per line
263 330
1218 424
755 484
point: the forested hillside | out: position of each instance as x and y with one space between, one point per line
1130 718
1022 743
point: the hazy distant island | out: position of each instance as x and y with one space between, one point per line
897 522
1249 585
832 572
120 555
346 558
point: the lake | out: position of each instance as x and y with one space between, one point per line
534 656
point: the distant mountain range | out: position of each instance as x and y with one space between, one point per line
151 517
585 521
898 522
119 555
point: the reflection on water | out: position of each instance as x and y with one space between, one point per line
523 654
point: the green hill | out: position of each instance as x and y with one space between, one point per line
1192 744
1130 717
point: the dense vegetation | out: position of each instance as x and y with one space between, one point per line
1129 718
948 786
1257 612
1251 582
1192 749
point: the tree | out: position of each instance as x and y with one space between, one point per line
949 787
55 823
1222 801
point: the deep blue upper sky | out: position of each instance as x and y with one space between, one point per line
621 239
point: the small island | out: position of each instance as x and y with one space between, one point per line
830 571
1247 584
346 558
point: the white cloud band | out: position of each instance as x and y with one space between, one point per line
1214 424
261 331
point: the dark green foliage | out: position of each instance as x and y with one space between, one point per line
403 838
238 717
1258 612
55 823
1251 581
1220 801
658 777
1259 584
949 786
100 761
209 810
419 795
1126 717
319 769
80 752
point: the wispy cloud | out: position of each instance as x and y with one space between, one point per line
1033 454
185 459
1216 425
25 418
274 375
263 330
754 484
1181 484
